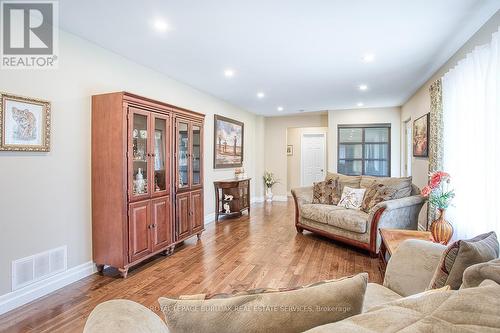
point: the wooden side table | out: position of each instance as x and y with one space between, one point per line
239 189
391 238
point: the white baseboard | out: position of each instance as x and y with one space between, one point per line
280 198
257 199
41 288
209 218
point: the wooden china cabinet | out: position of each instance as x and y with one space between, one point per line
189 177
147 178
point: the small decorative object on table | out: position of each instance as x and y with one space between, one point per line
440 196
239 173
227 208
269 181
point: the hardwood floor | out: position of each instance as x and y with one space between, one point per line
261 251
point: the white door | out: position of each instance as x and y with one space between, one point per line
313 158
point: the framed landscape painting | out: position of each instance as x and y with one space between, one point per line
24 123
421 136
228 142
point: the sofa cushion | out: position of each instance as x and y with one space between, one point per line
412 266
340 217
352 198
377 294
460 255
287 311
476 274
344 180
326 192
402 186
465 310
376 194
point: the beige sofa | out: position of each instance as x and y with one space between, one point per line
356 227
393 306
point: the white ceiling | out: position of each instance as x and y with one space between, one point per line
304 55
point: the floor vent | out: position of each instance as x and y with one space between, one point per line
37 267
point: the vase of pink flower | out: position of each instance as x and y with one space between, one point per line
439 195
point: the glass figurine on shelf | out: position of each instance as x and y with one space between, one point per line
140 182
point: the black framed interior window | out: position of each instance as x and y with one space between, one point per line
364 150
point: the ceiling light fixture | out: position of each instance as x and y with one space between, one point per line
260 95
368 57
363 87
360 104
228 73
280 108
160 25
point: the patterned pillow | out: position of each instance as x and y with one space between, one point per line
462 254
265 310
352 198
326 192
376 194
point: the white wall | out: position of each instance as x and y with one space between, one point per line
276 141
420 103
45 197
390 115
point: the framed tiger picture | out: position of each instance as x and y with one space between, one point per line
24 124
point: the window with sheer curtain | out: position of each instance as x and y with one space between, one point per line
471 140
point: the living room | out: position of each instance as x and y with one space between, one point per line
253 166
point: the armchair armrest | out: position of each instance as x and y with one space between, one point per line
394 214
412 266
123 316
303 195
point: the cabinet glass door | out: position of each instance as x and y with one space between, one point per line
196 154
160 155
182 154
139 121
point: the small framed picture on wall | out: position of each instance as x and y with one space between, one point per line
421 136
24 124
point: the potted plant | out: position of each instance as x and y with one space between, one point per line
439 194
269 181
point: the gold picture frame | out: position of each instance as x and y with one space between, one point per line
24 123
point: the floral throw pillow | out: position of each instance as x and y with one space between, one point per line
352 198
376 194
326 192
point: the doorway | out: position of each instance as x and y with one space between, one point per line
313 158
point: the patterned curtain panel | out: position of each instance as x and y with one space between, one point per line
436 136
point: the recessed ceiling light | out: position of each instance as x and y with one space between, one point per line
368 57
228 72
260 94
160 25
280 108
363 87
360 104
